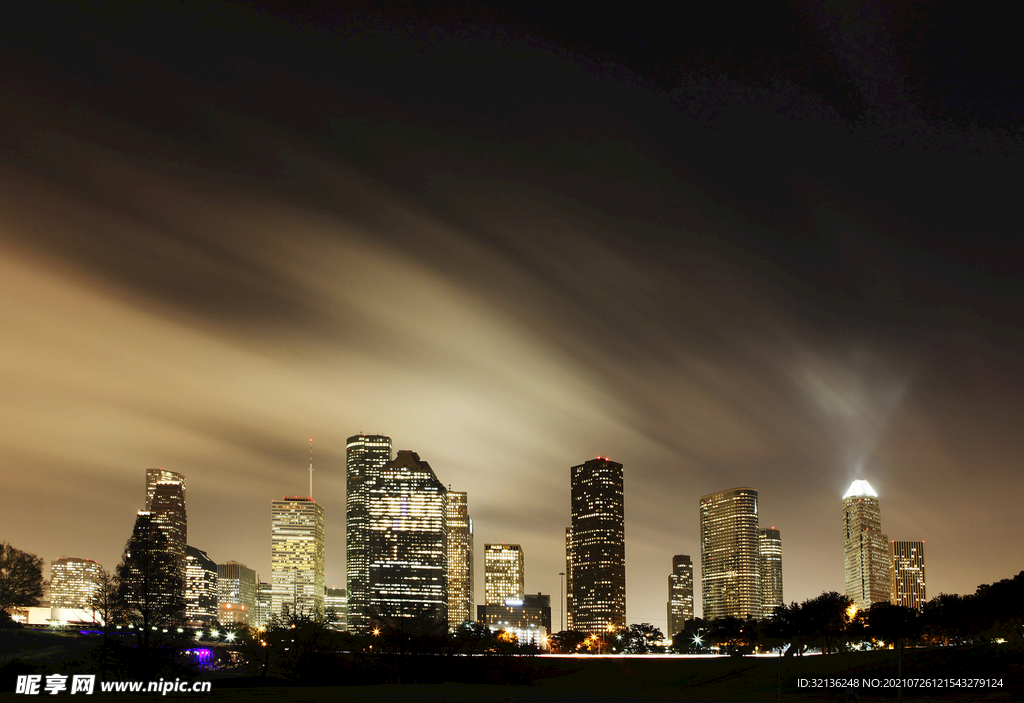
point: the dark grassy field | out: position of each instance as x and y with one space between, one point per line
595 679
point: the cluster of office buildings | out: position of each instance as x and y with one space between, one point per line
409 557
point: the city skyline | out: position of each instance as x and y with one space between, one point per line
511 243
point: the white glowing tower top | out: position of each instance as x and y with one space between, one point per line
860 487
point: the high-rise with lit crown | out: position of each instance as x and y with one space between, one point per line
906 574
297 557
729 554
165 502
460 560
596 547
866 549
680 593
408 547
770 566
503 573
365 456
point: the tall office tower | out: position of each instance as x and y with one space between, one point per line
336 608
200 587
866 548
460 560
165 502
906 574
567 606
297 557
365 456
74 582
503 573
597 548
770 566
680 593
154 586
236 584
729 575
408 546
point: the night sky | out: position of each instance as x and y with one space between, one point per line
778 250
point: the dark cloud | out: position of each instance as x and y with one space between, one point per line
512 248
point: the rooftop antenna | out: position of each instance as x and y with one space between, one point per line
310 467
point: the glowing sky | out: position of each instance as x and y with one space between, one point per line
511 255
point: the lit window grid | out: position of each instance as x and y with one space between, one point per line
366 455
596 576
460 560
74 583
907 574
504 576
297 556
680 589
730 575
866 552
770 566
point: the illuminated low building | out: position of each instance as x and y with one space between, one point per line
74 582
336 608
528 618
234 614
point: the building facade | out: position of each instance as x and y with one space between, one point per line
460 560
906 574
74 583
866 549
365 456
336 607
297 557
408 547
680 594
504 573
596 547
770 566
527 618
165 503
200 587
236 584
729 554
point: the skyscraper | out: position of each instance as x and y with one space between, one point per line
504 577
460 560
730 579
165 503
680 593
74 583
200 587
596 556
866 549
408 545
297 557
365 456
153 586
906 574
770 566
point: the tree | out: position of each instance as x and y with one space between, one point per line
827 618
21 577
150 586
106 601
894 624
692 639
567 641
643 638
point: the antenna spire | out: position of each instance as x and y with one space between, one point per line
310 467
